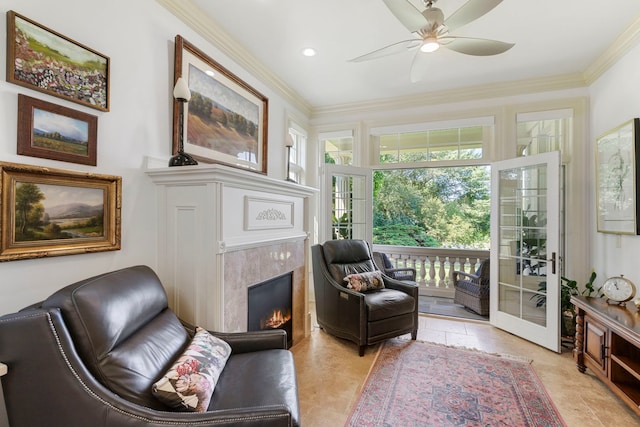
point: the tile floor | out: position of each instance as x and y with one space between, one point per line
330 374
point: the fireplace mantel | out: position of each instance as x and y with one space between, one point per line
222 229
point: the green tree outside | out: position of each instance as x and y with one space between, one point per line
432 207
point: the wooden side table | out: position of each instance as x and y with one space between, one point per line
608 343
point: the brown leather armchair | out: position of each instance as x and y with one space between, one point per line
472 290
362 317
89 354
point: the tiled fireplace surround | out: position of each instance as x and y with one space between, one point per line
251 266
222 230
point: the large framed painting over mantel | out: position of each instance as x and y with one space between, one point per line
44 60
48 212
226 119
616 179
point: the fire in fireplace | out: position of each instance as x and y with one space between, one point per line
270 305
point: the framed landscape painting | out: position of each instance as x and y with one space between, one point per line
617 176
226 119
49 212
54 132
44 60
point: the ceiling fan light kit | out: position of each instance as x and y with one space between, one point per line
431 31
430 44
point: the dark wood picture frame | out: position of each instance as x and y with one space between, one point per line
617 176
54 132
48 212
63 67
226 120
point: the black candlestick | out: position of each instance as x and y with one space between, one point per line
181 158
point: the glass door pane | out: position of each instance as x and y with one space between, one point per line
348 206
525 288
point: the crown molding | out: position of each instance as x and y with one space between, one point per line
622 44
195 18
470 93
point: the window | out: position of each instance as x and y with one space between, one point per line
435 141
297 139
338 147
544 131
432 207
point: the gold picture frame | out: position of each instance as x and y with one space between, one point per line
616 179
226 120
48 212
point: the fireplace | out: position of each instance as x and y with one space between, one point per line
270 305
223 229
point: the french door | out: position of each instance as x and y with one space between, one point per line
347 203
525 244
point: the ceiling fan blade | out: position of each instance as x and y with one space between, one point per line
419 66
472 10
476 47
392 49
407 14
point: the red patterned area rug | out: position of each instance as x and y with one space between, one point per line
415 383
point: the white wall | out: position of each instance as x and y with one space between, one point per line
615 99
138 37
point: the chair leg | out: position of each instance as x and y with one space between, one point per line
361 350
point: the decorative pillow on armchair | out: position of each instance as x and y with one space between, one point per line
368 281
190 382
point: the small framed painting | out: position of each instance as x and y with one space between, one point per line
616 179
44 60
54 132
226 119
48 212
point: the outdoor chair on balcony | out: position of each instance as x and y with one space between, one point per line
472 290
404 274
367 307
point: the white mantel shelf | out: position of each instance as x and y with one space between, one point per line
207 173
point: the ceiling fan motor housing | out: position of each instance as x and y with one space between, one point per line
434 17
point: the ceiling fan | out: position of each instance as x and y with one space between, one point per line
432 31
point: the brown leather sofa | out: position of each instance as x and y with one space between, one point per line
362 317
88 355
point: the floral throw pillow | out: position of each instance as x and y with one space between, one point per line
368 281
189 383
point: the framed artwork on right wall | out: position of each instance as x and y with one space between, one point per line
616 179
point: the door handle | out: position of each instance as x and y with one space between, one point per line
553 262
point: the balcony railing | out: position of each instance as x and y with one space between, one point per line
434 266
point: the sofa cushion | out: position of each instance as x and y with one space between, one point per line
191 380
386 303
123 330
362 282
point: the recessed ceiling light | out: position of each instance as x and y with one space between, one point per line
308 51
210 73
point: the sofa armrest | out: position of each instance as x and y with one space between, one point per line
246 342
3 410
